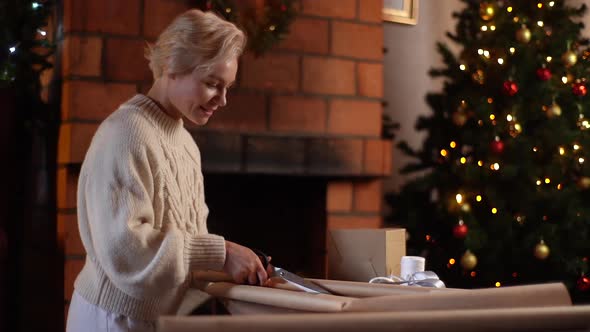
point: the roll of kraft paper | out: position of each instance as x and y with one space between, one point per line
411 265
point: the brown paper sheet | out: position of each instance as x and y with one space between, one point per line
365 289
541 295
507 319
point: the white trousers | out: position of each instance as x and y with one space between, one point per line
84 316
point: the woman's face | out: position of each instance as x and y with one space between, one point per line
197 95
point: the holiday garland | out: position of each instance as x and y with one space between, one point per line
264 31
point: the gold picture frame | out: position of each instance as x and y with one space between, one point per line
401 11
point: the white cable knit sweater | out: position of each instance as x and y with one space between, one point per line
142 213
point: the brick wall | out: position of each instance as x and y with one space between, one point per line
319 92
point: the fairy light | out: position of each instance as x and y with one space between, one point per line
453 144
443 152
551 3
539 182
509 117
515 19
452 261
478 198
512 50
576 147
480 123
581 160
35 5
509 9
561 150
228 10
12 49
428 237
535 149
479 163
564 79
484 28
540 5
559 186
540 23
493 27
549 59
462 67
272 28
494 210
498 284
547 180
495 166
486 53
459 198
41 32
473 274
492 117
463 160
480 51
490 100
500 61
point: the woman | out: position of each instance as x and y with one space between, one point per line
141 207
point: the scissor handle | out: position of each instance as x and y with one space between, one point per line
263 257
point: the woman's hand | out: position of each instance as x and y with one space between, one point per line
243 265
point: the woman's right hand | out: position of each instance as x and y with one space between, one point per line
243 265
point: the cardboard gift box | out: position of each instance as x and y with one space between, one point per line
363 254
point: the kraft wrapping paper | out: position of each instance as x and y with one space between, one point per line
560 318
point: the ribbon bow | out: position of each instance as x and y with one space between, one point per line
421 279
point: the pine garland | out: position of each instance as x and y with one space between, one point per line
264 32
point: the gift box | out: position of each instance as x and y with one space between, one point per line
362 254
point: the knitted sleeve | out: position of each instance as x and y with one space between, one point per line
142 256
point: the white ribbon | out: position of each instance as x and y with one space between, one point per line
420 278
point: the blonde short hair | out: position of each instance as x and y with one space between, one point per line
195 40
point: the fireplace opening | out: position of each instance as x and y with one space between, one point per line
283 216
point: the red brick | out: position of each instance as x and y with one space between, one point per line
355 117
68 234
330 8
357 40
159 13
371 10
335 156
387 157
74 140
307 35
328 76
368 195
298 114
244 112
93 100
353 221
370 79
278 72
72 268
67 184
373 162
339 196
108 16
125 60
82 56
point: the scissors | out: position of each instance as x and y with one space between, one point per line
290 277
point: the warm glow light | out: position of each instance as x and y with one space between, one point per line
427 237
576 147
486 53
547 180
509 117
540 23
480 123
452 261
548 59
495 166
564 79
509 9
540 5
453 144
459 198
515 19
500 61
12 49
484 28
480 51
463 160
228 10
559 186
494 210
478 198
41 32
472 274
462 67
539 182
551 3
581 160
493 27
490 100
443 152
272 28
492 117
35 5
512 50
561 150
535 149
498 284
479 163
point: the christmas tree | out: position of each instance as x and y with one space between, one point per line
501 192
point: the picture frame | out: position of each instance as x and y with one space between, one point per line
401 11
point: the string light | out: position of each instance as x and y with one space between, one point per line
498 284
41 32
500 61
561 150
443 152
484 28
551 3
549 59
564 79
493 28
462 67
35 5
509 9
540 5
473 274
452 261
427 237
512 50
509 117
486 53
515 19
272 28
228 10
490 100
479 163
492 117
494 210
12 49
463 160
459 198
547 180
576 147
478 198
495 166
539 182
480 51
540 23
559 186
453 144
581 160
535 149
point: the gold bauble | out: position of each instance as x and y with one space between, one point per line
553 110
486 11
478 76
541 250
468 261
514 129
583 182
460 118
523 35
569 58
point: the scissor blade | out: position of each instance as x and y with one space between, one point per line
296 280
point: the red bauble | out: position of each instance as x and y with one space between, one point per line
460 230
543 74
579 89
510 88
583 283
497 146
